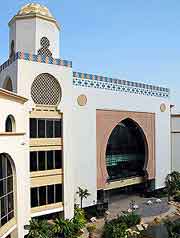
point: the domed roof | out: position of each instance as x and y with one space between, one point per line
34 8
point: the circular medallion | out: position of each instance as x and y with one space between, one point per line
163 107
82 100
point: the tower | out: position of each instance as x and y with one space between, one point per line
34 30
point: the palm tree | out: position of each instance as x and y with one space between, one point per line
39 228
83 193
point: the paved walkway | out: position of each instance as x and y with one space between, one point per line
120 203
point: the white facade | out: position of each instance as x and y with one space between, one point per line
79 117
175 138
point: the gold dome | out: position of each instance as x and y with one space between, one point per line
34 8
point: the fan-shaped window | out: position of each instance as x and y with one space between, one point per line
8 84
10 124
46 90
6 190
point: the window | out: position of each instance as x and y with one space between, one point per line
33 128
45 160
10 124
45 128
45 195
7 85
6 190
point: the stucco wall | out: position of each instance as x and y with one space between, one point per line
84 132
175 135
16 146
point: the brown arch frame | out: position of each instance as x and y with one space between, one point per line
106 121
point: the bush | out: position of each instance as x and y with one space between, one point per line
117 228
173 229
177 196
78 220
130 219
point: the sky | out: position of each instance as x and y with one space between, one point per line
136 40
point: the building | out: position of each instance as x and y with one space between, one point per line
61 129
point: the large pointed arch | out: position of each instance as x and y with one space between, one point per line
106 121
126 151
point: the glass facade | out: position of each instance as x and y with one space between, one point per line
126 151
6 190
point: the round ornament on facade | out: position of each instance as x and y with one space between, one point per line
163 107
82 100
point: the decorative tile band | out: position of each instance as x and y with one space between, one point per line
94 81
36 58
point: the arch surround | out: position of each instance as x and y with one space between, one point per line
106 121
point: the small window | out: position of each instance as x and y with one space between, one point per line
7 85
41 128
10 124
33 128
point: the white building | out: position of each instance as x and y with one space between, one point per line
61 130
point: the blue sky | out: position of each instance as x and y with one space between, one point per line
138 40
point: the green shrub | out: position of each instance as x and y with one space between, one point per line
173 229
177 196
130 219
39 228
115 230
63 227
78 220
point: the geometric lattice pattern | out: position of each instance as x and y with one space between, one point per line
45 90
99 82
36 58
44 51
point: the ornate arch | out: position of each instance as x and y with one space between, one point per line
105 123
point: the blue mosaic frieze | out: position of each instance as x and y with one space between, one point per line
100 82
36 58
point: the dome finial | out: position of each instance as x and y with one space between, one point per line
34 8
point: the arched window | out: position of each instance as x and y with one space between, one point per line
10 124
6 190
126 151
8 84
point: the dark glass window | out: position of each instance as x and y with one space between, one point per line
126 151
49 129
58 128
9 125
33 161
58 189
58 159
41 128
34 197
50 160
46 195
41 160
33 128
50 194
42 195
6 190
